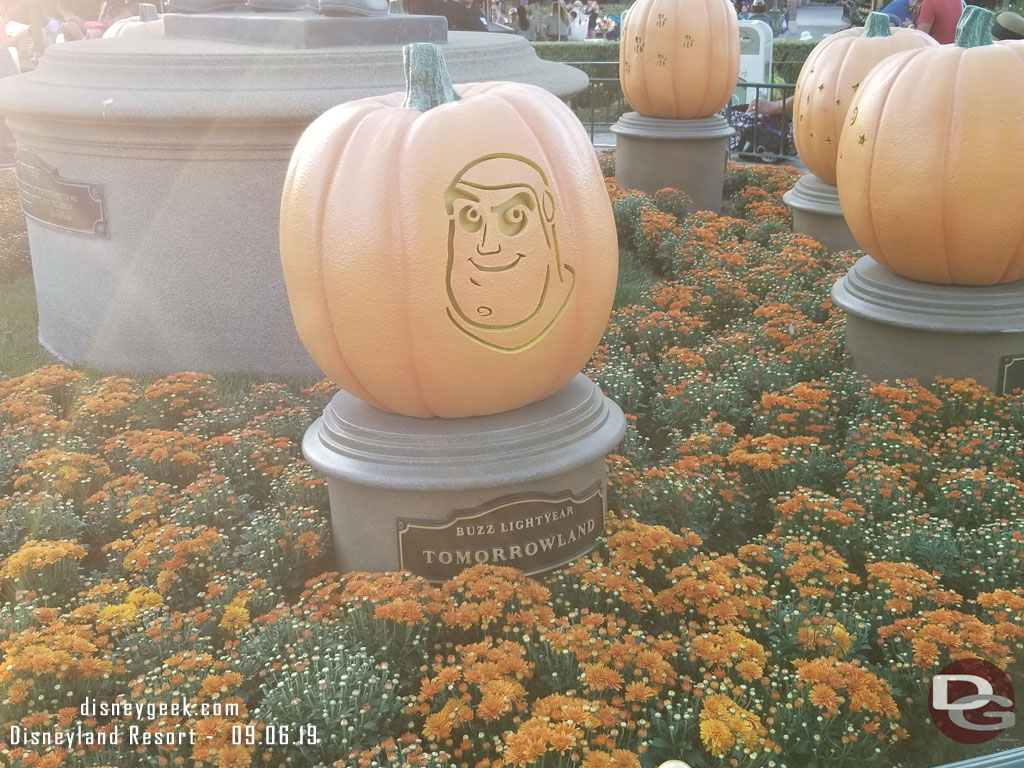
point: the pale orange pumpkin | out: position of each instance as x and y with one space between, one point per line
679 59
830 78
930 170
448 257
147 23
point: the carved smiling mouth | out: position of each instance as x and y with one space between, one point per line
500 267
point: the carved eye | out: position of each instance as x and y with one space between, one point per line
513 221
469 219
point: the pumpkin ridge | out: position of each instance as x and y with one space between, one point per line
880 255
731 74
642 61
674 50
1017 255
943 206
315 290
835 129
365 391
400 149
705 81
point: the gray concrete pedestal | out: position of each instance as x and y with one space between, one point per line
816 213
652 153
900 328
525 488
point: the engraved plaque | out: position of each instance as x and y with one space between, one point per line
532 532
49 199
1011 374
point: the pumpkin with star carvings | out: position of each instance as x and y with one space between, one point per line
830 78
931 170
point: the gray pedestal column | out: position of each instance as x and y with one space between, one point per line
816 212
524 488
155 167
900 328
652 153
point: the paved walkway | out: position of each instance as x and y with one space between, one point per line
819 20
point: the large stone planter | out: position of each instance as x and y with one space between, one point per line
652 153
184 140
900 328
525 488
816 213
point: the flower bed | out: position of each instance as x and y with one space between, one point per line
792 551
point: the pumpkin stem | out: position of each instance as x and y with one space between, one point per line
975 27
427 82
877 25
147 12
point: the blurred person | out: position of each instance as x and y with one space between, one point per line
939 18
523 23
465 16
577 22
72 27
593 11
556 26
904 11
759 12
115 10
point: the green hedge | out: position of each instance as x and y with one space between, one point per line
789 55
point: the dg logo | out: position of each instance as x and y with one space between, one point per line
972 701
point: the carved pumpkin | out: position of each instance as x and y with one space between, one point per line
448 254
679 59
148 22
930 172
829 80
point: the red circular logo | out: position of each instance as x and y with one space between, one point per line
971 701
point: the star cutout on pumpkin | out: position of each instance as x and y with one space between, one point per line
862 139
856 86
837 102
821 87
828 139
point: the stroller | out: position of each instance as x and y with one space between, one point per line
856 12
768 138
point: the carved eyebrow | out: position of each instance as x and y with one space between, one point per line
457 193
522 198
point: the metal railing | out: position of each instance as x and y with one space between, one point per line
759 137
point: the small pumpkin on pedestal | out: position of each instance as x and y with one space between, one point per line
452 253
828 81
679 59
930 175
679 62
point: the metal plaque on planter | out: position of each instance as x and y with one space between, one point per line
1011 374
71 205
532 532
